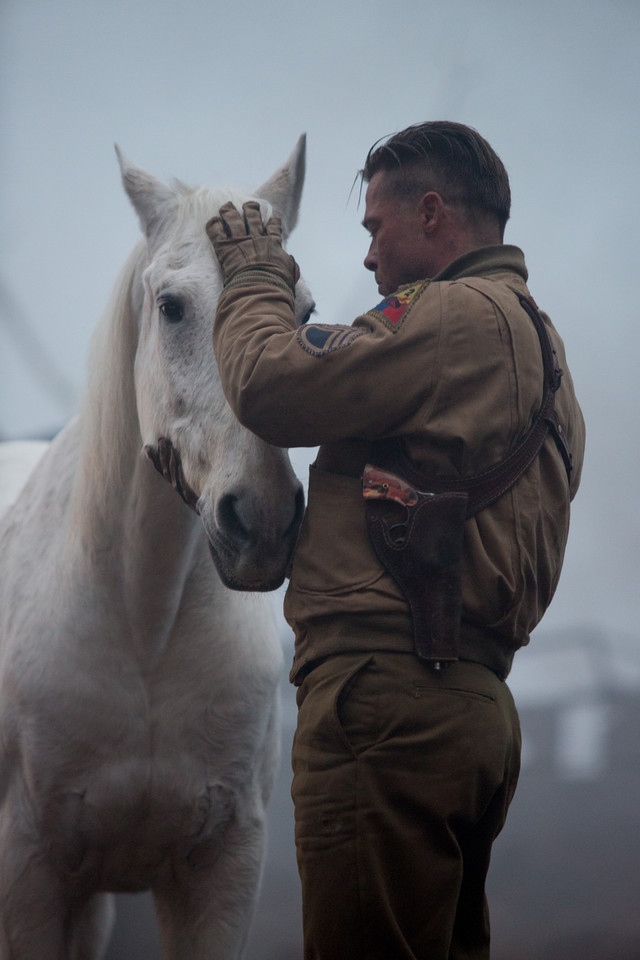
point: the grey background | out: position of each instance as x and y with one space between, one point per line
218 94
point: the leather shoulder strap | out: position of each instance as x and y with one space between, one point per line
487 487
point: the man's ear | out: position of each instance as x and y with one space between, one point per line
431 207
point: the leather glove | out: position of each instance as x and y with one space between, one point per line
166 460
242 242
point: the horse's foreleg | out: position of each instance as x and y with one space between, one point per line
32 907
40 918
90 928
38 923
206 913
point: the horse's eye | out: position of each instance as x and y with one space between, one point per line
171 310
310 312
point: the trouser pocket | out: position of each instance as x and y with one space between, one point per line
355 707
337 708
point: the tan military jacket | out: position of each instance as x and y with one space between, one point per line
452 364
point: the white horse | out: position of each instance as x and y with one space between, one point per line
138 703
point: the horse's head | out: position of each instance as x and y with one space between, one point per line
248 497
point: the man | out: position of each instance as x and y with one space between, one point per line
407 750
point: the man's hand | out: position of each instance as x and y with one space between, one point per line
167 462
242 242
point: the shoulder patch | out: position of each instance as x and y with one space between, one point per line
392 308
319 339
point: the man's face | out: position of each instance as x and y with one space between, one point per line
399 250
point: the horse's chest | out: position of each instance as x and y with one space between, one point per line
129 822
125 776
123 789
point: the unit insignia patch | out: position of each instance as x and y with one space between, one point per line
394 306
319 339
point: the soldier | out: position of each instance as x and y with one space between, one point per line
407 614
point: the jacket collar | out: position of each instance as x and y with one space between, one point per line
501 258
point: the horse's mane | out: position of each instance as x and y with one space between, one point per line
108 423
110 436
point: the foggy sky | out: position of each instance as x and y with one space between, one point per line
218 94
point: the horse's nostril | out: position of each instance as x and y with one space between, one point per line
228 519
242 519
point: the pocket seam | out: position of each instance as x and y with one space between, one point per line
358 668
420 691
340 591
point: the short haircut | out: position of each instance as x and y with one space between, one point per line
450 158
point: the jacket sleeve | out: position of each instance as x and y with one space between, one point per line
315 384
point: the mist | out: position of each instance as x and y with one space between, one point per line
218 94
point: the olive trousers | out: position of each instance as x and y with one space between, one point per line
402 780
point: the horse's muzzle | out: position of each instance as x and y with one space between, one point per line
250 553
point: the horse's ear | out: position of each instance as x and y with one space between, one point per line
284 189
153 201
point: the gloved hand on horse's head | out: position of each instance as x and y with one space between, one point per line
244 244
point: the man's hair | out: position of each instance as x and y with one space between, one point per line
450 158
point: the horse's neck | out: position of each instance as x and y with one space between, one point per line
161 545
139 545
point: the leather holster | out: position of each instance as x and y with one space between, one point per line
418 538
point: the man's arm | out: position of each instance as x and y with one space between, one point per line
309 385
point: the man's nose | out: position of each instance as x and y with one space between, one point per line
371 259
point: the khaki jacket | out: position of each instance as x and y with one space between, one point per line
452 364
